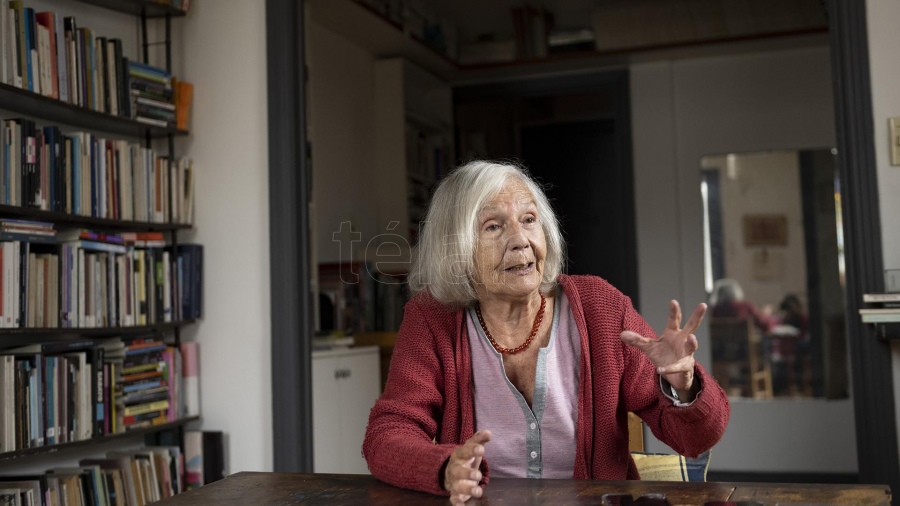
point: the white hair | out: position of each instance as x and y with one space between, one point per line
444 260
726 290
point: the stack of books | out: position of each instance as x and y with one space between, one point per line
884 313
148 368
87 175
68 391
152 99
134 477
49 54
26 230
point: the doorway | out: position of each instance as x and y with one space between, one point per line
573 135
576 162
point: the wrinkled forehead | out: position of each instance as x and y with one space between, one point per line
514 192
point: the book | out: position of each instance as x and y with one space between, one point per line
184 96
213 457
880 317
879 311
887 330
191 255
876 298
7 403
191 376
203 457
30 487
193 459
81 233
5 46
49 64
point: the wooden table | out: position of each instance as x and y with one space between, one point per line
351 489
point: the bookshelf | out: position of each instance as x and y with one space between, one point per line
146 8
71 220
87 391
55 111
383 36
17 454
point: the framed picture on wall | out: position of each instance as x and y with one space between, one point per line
765 230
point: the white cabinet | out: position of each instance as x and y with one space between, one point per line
346 384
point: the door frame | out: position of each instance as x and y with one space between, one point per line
873 391
870 358
289 257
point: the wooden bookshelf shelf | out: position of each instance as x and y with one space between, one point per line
51 110
381 36
73 220
25 336
138 7
94 332
103 439
385 38
622 57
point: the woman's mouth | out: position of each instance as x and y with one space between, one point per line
520 269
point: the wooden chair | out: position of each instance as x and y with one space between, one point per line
738 358
635 433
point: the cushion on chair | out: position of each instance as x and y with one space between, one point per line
666 467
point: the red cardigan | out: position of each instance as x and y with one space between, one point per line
427 408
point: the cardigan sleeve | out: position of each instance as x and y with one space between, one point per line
689 430
399 444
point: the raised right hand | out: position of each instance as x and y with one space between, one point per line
462 474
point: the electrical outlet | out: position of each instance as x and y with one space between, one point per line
894 124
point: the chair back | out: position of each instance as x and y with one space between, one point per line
739 364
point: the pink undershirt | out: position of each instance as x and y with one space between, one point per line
536 441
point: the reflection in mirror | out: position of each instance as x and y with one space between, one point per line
773 264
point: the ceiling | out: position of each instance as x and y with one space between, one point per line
704 18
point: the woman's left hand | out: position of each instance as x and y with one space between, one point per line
673 352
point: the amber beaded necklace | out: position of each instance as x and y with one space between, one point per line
534 330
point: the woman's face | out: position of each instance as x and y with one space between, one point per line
510 252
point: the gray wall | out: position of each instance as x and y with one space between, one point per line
682 111
885 73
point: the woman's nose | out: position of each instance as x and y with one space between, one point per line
517 239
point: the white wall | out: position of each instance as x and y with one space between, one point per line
342 121
682 111
885 74
222 49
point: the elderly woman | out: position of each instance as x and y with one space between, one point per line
727 301
503 360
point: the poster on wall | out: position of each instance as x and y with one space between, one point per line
765 230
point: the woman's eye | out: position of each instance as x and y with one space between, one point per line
492 227
530 219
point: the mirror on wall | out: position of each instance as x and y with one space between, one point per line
774 272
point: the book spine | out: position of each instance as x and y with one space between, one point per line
61 51
190 374
30 82
23 284
874 298
880 318
99 395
